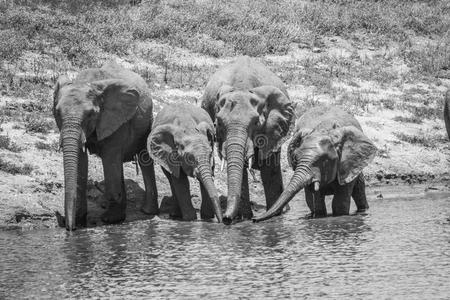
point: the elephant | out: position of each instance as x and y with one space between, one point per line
447 112
107 111
182 142
253 115
327 152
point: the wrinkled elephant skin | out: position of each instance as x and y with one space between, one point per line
107 111
327 153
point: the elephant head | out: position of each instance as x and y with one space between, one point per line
180 149
259 119
88 111
319 157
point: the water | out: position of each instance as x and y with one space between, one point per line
400 249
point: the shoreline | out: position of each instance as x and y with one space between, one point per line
387 187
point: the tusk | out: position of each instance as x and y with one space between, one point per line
250 161
316 186
222 165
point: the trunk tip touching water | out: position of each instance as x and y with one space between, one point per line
302 176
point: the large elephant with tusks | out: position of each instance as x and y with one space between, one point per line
107 111
253 115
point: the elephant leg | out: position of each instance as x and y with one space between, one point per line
206 209
316 203
272 179
176 213
182 193
81 206
341 199
359 194
150 205
245 208
114 187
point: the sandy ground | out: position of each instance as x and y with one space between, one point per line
29 201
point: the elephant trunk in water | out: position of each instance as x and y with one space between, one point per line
235 152
71 132
205 176
301 178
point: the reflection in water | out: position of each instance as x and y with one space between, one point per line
399 249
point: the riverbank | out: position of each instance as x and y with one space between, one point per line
388 64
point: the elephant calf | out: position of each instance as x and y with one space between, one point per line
327 152
182 141
109 112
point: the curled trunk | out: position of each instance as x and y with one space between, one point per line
70 133
235 151
301 178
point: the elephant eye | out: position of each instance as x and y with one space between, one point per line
222 102
254 102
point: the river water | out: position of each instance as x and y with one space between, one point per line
399 249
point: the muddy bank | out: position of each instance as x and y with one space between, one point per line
29 215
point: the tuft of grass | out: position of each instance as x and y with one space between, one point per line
6 143
37 124
413 119
14 169
54 146
422 139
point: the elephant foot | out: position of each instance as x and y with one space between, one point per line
207 215
81 221
149 209
114 214
245 215
316 215
190 215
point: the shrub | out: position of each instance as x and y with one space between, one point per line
14 169
37 124
6 143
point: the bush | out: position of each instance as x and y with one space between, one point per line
37 124
14 169
6 143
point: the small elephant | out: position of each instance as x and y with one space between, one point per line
253 115
108 111
327 153
447 112
182 142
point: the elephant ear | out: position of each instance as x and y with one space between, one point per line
356 152
118 104
278 117
62 81
162 148
207 129
295 144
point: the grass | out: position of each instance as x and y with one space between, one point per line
14 169
428 140
412 119
47 147
37 124
6 143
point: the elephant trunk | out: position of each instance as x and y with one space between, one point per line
235 151
70 132
301 178
205 176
